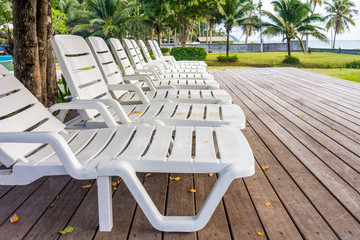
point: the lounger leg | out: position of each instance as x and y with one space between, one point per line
105 204
176 223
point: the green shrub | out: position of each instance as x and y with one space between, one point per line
233 58
354 64
188 53
291 60
165 50
63 91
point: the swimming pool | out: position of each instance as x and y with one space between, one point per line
7 62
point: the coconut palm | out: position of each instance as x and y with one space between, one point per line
104 18
292 19
340 16
232 12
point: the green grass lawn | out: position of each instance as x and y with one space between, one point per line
325 63
274 59
348 74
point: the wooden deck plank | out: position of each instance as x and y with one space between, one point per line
61 209
33 208
349 197
339 219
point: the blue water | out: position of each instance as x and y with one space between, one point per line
7 62
6 58
344 44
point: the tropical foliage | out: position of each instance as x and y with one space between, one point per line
340 16
292 19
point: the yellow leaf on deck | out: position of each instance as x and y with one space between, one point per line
169 83
148 175
211 174
114 188
119 180
67 230
86 186
129 114
267 204
301 116
180 113
174 178
192 190
264 168
261 233
14 218
332 128
138 111
114 184
195 114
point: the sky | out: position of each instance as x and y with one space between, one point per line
354 33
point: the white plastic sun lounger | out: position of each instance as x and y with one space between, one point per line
168 64
34 144
91 86
138 62
155 46
111 73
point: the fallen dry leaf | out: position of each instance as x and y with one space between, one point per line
195 114
113 184
267 204
180 113
332 128
114 188
138 111
301 116
51 205
14 218
192 190
148 175
174 178
264 168
261 233
211 174
67 230
119 180
129 114
86 186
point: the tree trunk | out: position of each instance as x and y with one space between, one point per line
152 34
227 42
159 38
34 60
211 30
169 36
288 46
334 39
192 30
248 29
175 37
207 31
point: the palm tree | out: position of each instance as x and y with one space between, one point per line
104 18
340 16
232 12
292 19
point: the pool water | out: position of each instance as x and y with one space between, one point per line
7 62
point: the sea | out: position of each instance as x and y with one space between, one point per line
343 44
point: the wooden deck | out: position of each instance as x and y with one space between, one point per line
304 126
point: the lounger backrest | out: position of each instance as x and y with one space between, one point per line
106 63
158 49
121 57
135 61
153 49
20 111
138 52
80 70
145 51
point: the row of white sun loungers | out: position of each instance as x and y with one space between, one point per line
162 115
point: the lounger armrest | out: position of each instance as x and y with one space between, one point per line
61 148
130 87
149 71
154 65
141 77
170 59
87 104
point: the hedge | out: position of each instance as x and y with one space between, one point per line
188 53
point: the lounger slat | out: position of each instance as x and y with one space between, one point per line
197 112
160 95
138 111
117 144
138 144
167 111
151 112
12 103
182 111
79 62
231 113
105 57
9 84
204 147
212 112
195 94
206 95
171 93
97 144
161 143
183 94
181 151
